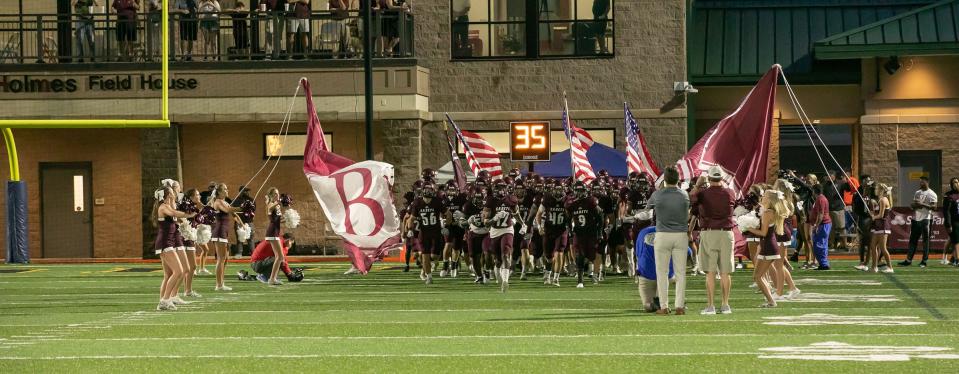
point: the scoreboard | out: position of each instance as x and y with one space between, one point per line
529 141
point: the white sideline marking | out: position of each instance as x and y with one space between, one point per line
841 282
818 319
827 298
384 355
837 351
451 337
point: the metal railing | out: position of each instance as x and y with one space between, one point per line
65 38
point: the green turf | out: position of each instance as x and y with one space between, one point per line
96 318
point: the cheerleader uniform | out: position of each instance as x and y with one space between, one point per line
273 229
881 225
786 236
166 235
221 230
769 245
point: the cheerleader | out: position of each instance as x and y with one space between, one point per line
181 248
881 227
202 249
221 231
191 201
165 244
783 269
273 234
771 223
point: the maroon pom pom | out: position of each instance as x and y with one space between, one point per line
286 200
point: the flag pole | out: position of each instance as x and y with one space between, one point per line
569 136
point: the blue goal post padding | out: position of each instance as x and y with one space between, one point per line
18 251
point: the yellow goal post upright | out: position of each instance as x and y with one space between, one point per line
16 238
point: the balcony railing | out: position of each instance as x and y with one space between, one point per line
65 38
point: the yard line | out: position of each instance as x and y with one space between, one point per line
453 337
382 355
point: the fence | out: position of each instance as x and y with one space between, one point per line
65 38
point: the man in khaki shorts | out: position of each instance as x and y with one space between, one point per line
714 207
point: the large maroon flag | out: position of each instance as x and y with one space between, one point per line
356 196
739 143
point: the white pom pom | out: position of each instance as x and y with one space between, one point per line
243 233
799 205
747 221
644 215
187 230
291 218
203 234
739 211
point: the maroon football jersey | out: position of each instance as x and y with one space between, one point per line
585 215
428 214
555 217
496 205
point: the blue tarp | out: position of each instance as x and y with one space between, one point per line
600 156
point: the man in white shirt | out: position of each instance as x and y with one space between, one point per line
923 203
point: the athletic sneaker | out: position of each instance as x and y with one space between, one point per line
406 269
352 270
429 279
176 300
709 311
580 285
422 276
262 278
165 305
547 277
204 271
922 265
763 305
443 274
276 283
793 293
905 263
192 294
726 310
504 286
478 280
453 273
754 285
594 279
223 288
887 270
861 267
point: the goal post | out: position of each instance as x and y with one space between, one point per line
16 190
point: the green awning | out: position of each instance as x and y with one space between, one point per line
736 41
930 30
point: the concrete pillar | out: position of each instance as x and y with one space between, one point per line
160 159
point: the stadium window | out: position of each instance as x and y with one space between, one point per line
290 147
514 29
558 143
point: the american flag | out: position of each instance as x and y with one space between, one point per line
480 155
582 170
458 175
637 155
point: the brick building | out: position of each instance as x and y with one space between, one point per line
494 62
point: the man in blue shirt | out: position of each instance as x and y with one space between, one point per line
646 269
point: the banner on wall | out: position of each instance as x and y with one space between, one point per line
901 224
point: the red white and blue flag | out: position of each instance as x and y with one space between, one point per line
480 154
582 170
458 176
637 155
356 196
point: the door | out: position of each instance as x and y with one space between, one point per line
66 209
914 164
797 153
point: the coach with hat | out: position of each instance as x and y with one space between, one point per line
714 207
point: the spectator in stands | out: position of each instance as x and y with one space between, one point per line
241 40
188 30
298 27
461 19
84 27
600 19
209 13
154 17
126 26
340 12
390 34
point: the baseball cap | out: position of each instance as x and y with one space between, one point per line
715 172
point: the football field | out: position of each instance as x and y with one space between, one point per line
99 318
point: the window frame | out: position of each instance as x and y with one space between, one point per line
532 34
298 154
